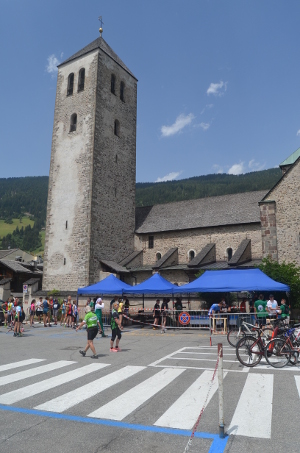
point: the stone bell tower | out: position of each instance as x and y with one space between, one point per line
91 197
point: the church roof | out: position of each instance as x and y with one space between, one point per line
223 210
101 44
291 159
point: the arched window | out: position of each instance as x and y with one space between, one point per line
191 255
122 91
158 256
70 84
73 122
113 84
229 253
117 128
81 79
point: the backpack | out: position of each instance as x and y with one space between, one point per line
286 310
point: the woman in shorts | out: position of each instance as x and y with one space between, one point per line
32 311
92 325
63 313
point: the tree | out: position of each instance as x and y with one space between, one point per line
287 273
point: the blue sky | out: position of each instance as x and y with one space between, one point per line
218 89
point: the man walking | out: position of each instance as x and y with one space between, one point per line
116 328
98 311
92 324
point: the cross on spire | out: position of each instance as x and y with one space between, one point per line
101 24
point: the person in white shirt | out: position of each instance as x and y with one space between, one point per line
99 305
272 306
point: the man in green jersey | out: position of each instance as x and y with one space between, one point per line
260 309
285 311
116 328
92 324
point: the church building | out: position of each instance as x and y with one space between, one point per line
93 227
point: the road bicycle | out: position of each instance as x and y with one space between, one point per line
283 349
246 328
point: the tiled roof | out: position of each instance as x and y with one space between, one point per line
130 258
297 161
114 266
32 281
201 255
4 253
15 266
164 258
242 254
5 280
99 43
233 209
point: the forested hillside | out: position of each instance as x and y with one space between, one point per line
21 197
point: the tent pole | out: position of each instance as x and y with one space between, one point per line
143 301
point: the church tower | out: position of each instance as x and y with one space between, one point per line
91 196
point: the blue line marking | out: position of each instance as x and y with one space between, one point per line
218 445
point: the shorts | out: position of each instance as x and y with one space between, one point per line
262 320
45 312
31 312
116 333
92 333
39 312
55 312
74 318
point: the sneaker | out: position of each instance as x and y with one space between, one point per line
49 325
15 334
94 357
82 353
103 335
114 350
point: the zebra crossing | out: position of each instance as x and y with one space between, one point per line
252 416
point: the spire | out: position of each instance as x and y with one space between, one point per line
101 28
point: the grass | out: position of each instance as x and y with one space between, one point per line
8 228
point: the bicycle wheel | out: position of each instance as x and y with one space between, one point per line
234 336
278 353
249 351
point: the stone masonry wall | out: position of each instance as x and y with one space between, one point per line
286 195
114 167
268 230
67 246
224 238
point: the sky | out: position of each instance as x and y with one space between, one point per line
218 81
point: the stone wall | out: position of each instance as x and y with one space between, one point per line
286 195
186 240
268 230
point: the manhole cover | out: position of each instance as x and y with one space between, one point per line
71 348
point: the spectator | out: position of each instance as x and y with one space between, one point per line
260 308
32 312
164 314
98 311
156 313
285 311
56 307
116 328
272 307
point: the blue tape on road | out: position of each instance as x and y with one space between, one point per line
218 445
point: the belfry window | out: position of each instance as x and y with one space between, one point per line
70 84
229 253
117 128
73 122
81 78
122 91
113 84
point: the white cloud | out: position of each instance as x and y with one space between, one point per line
53 62
298 132
180 122
217 89
208 106
170 177
218 168
256 166
237 169
204 126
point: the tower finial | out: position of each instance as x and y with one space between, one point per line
102 23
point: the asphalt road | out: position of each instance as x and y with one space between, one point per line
144 398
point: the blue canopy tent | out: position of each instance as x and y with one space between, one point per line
110 285
153 285
231 281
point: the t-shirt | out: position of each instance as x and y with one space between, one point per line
215 308
164 307
272 306
260 307
91 320
63 308
284 311
38 306
32 307
56 305
156 310
18 312
114 316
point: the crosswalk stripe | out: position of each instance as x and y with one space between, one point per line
297 379
184 412
122 406
34 372
70 399
253 414
34 389
11 366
